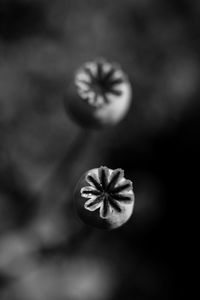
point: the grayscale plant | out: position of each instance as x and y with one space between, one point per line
98 82
101 94
104 198
106 191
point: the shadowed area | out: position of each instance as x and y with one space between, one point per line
21 19
45 252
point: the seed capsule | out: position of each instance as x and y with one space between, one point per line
102 94
104 198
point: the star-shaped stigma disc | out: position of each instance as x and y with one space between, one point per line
99 81
107 191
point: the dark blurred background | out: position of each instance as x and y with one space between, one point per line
46 253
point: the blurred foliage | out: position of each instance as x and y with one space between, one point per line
45 252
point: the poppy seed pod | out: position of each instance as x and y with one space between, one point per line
101 94
104 198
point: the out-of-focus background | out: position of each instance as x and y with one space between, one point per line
46 253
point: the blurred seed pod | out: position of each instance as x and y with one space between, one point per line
101 94
104 198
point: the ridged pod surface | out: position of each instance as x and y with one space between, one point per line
101 94
104 198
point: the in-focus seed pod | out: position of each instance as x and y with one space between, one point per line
104 198
102 94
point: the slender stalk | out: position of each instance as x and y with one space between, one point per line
49 226
61 175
